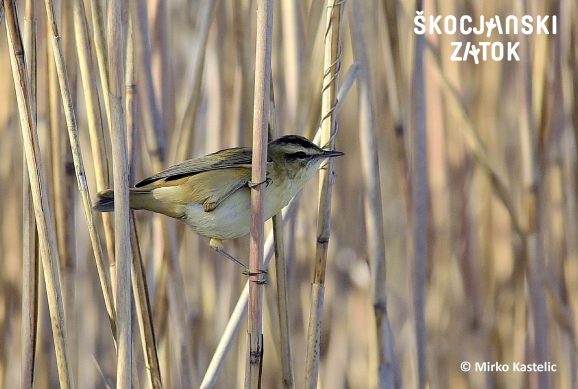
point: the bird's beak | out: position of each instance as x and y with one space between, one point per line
331 153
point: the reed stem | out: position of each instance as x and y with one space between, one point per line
261 108
331 69
42 209
116 60
29 242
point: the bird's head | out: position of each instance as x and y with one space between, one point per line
298 155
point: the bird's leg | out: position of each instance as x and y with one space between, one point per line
252 185
217 245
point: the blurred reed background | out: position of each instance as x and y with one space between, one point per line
472 207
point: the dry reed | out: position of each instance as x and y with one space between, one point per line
29 243
261 113
282 295
42 209
116 58
331 69
96 130
67 103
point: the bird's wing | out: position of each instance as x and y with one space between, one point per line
201 188
239 157
231 181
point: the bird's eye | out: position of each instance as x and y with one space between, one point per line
298 155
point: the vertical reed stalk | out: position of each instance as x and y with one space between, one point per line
259 171
64 203
29 248
96 11
42 210
144 313
96 129
55 144
76 151
384 348
139 284
116 50
239 312
29 287
331 69
288 380
420 196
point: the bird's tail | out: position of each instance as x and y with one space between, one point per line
104 201
138 199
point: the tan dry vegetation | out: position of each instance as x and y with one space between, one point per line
454 222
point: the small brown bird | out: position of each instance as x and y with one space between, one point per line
212 193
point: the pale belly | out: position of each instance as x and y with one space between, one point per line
232 218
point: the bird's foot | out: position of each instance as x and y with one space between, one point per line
254 185
261 276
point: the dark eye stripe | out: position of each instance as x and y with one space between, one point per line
297 155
